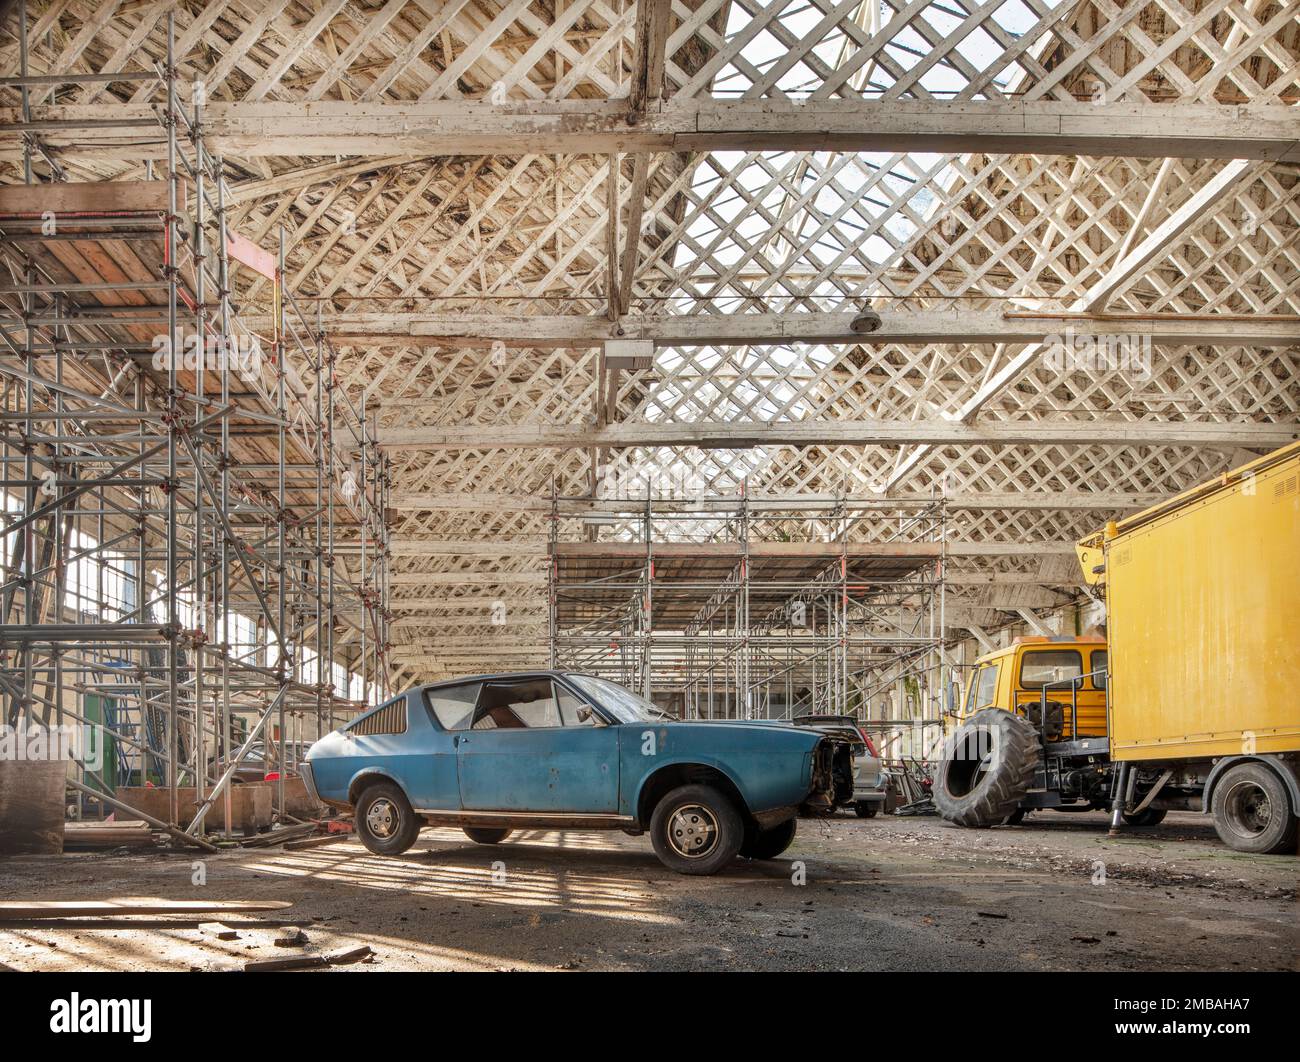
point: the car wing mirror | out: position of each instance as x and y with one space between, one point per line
586 715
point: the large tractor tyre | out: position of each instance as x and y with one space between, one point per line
1146 817
1252 810
987 768
486 834
768 844
696 829
384 820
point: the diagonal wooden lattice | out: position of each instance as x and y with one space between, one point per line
741 231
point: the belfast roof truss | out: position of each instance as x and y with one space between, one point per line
1038 258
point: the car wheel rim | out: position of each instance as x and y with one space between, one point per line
693 831
1249 809
382 818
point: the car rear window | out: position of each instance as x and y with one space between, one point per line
388 718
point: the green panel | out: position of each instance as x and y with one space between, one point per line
95 708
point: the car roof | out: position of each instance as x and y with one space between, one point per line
828 718
494 676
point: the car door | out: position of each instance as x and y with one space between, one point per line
452 710
533 746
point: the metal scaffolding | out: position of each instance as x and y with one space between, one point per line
195 555
755 607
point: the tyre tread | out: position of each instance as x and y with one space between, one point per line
1000 795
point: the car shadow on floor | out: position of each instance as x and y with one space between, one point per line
543 850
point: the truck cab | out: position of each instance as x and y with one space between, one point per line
1189 704
1069 675
1030 733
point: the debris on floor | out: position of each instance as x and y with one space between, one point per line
344 957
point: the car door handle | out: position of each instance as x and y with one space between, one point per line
457 741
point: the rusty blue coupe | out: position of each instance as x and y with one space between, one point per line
558 750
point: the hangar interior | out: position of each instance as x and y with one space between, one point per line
768 360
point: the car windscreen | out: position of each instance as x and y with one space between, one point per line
621 703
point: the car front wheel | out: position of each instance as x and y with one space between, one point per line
384 820
695 829
866 809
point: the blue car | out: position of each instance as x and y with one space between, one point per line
559 750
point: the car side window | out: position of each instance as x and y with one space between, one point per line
570 706
453 707
528 703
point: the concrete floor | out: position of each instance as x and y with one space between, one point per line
879 894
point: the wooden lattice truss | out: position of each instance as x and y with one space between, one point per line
550 175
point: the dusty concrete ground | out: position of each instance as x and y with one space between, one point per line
879 894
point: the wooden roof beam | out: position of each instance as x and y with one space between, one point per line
468 127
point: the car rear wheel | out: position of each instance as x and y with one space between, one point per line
866 809
768 844
696 829
486 835
384 819
1252 810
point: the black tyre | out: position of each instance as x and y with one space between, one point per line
866 809
987 768
768 844
1252 810
486 834
384 819
1015 818
1147 817
695 829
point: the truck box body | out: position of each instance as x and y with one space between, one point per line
1203 618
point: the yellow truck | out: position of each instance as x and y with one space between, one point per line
1192 701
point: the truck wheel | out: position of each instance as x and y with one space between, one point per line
696 830
768 844
987 768
866 809
1015 818
1146 817
1252 811
384 819
486 834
